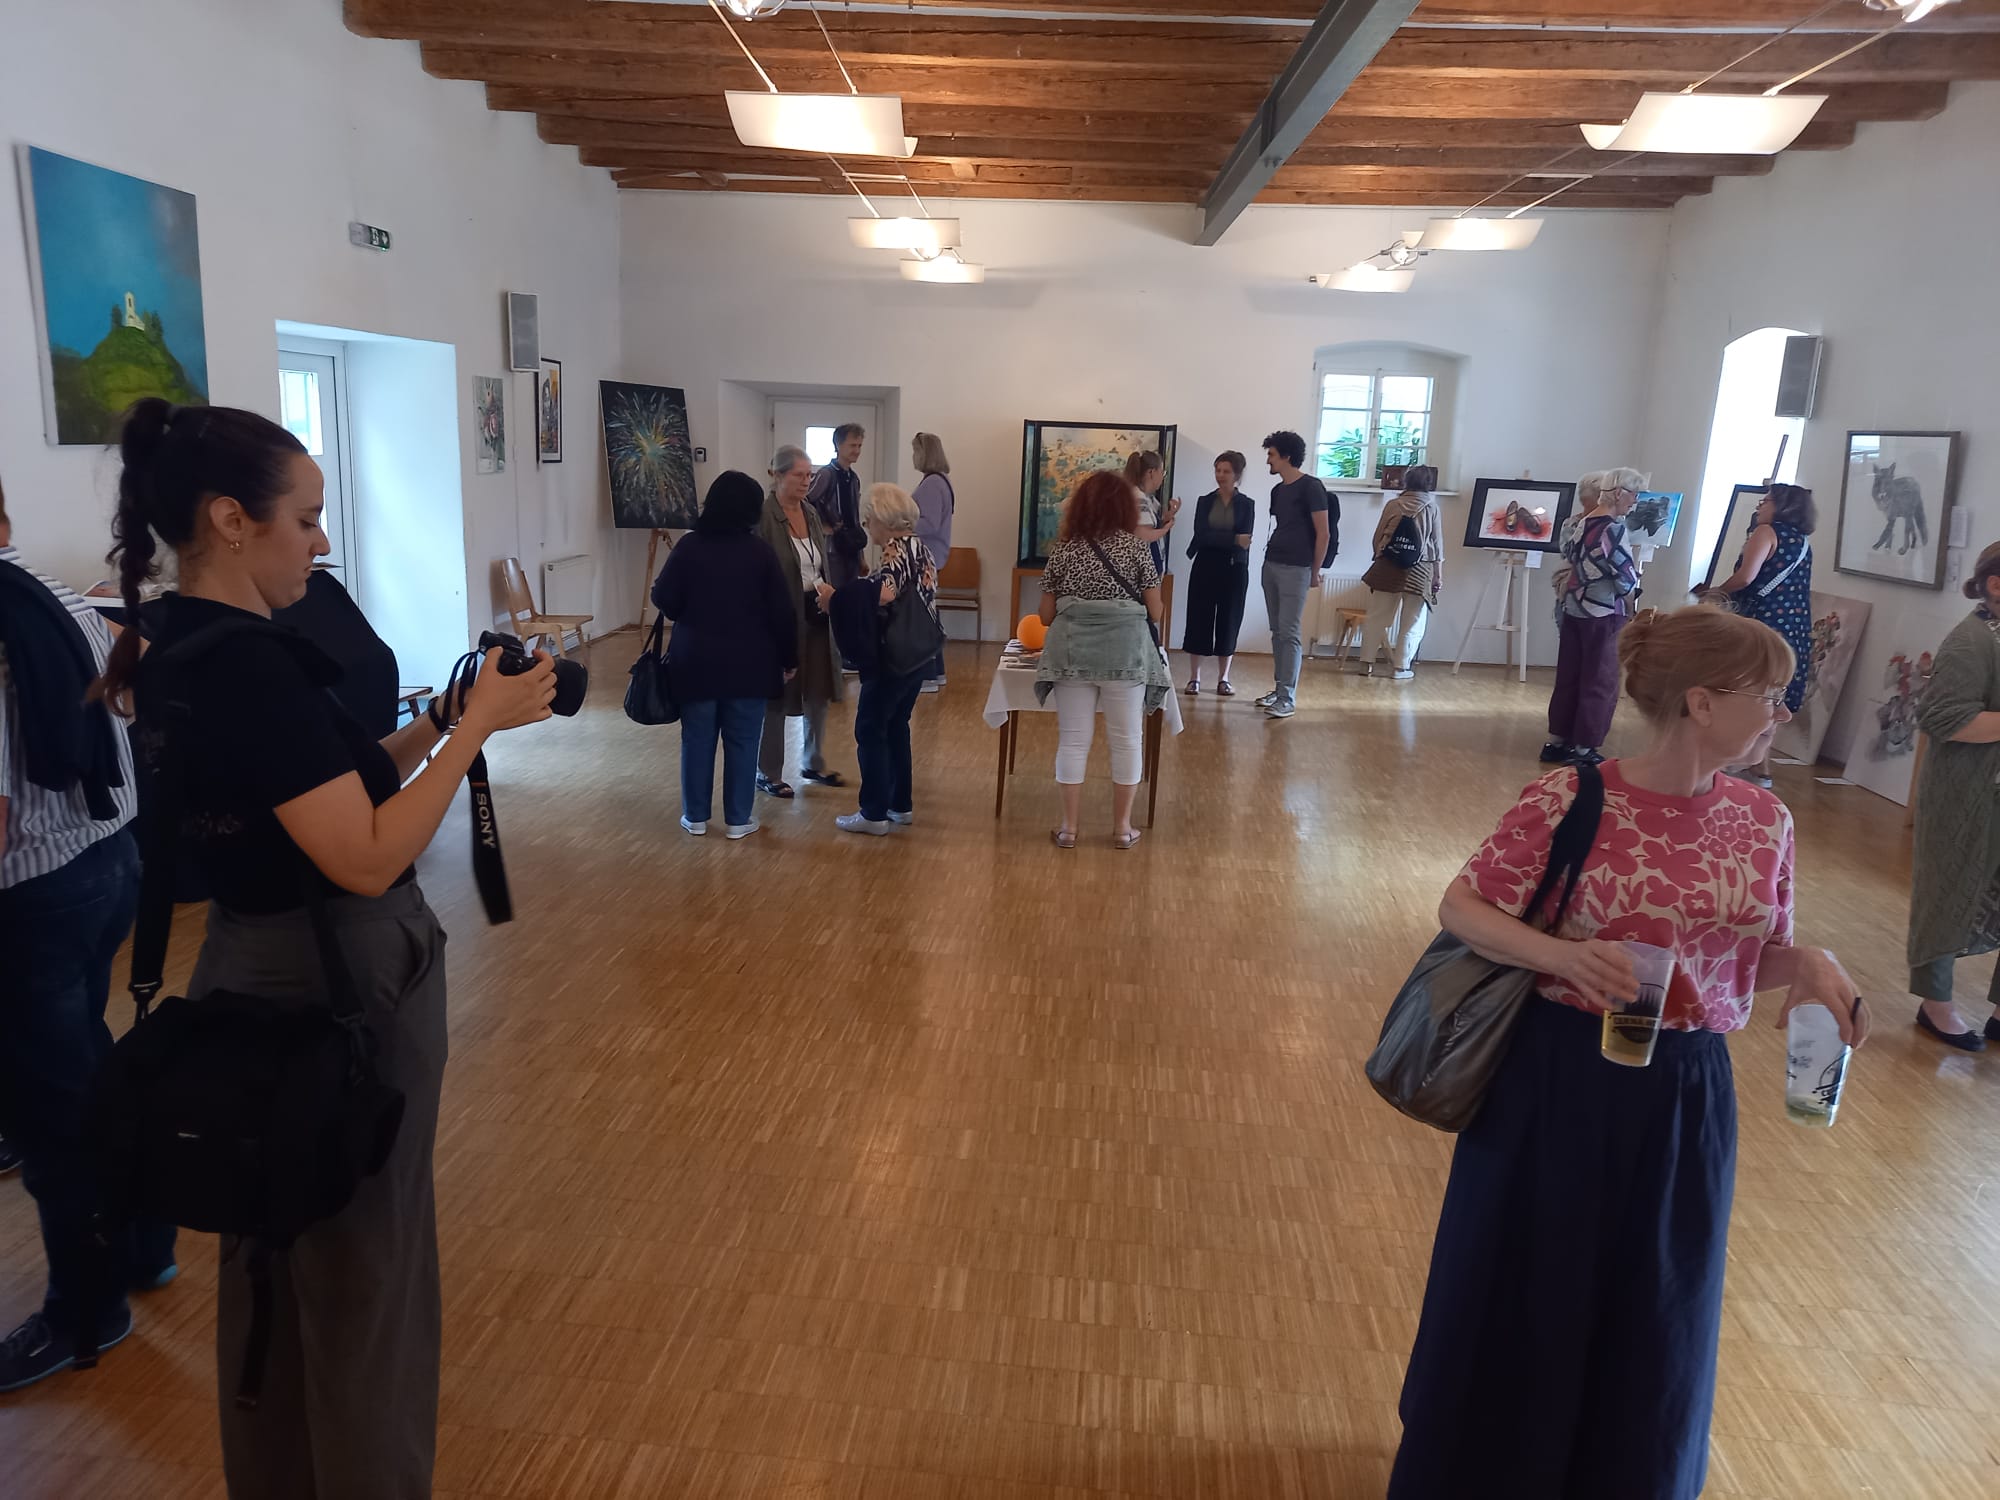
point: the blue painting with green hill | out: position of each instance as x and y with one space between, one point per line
116 262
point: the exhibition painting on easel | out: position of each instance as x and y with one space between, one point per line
114 264
1518 515
1055 456
647 452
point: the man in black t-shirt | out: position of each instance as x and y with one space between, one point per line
1303 516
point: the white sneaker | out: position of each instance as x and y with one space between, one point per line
934 685
854 823
1404 674
904 819
697 829
743 830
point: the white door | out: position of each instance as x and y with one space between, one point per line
309 391
810 424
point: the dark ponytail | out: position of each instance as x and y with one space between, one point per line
175 457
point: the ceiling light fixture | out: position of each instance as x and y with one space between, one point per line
947 266
1365 276
926 236
1913 11
849 124
753 10
1473 234
1709 124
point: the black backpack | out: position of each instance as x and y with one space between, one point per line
233 1114
1404 548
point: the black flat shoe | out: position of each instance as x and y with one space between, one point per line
1993 1028
1964 1041
1586 757
1555 753
824 778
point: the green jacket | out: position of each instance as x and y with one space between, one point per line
1101 640
1955 878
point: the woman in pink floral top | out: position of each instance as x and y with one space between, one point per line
1567 1345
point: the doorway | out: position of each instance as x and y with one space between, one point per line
809 423
312 406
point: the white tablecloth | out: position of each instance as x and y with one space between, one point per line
1013 691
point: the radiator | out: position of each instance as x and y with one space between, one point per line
567 583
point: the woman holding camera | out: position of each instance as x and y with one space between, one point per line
793 531
291 793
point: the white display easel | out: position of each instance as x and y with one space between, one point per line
1511 619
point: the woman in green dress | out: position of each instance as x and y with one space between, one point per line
1955 882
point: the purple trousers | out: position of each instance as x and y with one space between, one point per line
1586 694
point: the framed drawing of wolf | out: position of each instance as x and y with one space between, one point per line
1896 492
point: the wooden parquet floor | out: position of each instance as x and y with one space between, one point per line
949 1166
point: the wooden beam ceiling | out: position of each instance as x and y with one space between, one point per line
1057 101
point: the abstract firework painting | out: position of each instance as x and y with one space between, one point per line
1518 515
489 421
646 450
115 264
1055 456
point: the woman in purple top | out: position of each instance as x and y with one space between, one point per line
935 504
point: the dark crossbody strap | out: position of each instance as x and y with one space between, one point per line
162 841
1126 584
1569 848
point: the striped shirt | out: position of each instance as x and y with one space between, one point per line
45 829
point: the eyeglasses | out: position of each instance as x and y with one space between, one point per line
1771 700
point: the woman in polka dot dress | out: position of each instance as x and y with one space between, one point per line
1773 583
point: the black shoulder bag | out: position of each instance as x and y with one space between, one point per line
911 635
1449 1025
233 1114
1138 598
649 697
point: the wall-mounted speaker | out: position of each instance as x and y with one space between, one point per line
1798 376
524 331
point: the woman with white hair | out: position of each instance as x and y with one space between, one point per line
793 530
882 713
1597 593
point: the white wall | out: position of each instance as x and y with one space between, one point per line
1886 249
285 126
1106 311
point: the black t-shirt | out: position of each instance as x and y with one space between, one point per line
263 728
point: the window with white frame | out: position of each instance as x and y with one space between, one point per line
1370 420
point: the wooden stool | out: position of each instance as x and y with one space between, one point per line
1353 622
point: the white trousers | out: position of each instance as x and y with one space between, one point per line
1385 633
1124 707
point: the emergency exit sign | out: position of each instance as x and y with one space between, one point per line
367 236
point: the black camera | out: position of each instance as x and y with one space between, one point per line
572 678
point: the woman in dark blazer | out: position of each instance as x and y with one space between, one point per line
734 647
1224 519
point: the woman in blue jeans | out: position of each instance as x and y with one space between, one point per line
734 646
882 713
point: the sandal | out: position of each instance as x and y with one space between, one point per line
824 778
1127 840
1194 686
1062 838
1223 689
772 788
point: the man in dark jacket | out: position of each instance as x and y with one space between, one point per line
836 495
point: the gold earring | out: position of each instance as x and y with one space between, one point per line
235 546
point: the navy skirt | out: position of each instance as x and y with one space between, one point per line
1567 1347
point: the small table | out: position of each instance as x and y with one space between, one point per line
1013 694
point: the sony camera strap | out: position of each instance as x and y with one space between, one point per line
489 871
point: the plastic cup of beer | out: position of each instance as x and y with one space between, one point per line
1815 1066
1632 1030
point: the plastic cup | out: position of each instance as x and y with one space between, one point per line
1815 1066
1632 1031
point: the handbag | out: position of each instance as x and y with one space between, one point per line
649 697
1138 598
911 634
1449 1025
234 1114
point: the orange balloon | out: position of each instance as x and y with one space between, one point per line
1031 632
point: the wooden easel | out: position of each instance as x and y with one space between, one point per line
659 534
1511 620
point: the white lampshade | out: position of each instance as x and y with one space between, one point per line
825 124
1709 124
946 268
1364 277
1475 234
927 235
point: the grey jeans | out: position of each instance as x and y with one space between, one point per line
1285 590
348 1409
1932 981
771 749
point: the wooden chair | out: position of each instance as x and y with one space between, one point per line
958 586
529 621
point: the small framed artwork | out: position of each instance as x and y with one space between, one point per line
548 412
1653 517
1736 524
489 419
1896 493
1518 515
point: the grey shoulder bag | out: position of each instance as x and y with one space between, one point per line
1449 1025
